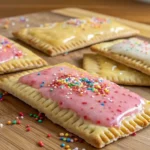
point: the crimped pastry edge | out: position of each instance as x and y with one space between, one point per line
91 64
51 50
22 64
128 61
96 135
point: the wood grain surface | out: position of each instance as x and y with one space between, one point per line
128 9
15 137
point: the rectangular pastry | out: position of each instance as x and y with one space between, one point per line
109 69
14 57
132 52
61 37
97 110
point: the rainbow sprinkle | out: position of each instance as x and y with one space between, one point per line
79 85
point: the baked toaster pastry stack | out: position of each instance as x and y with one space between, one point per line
81 103
132 52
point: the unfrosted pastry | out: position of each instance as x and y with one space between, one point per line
14 57
61 37
97 110
116 72
133 52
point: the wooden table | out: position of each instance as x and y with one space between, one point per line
15 137
128 9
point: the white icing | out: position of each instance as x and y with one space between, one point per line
134 48
114 67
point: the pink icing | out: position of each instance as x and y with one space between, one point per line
92 98
8 50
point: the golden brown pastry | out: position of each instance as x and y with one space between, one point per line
132 52
14 57
61 37
109 69
97 110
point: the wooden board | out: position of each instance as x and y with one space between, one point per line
15 137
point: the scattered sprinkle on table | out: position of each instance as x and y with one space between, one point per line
133 134
28 129
41 144
48 135
18 122
1 125
2 94
22 117
14 122
66 137
38 117
62 145
8 122
21 114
